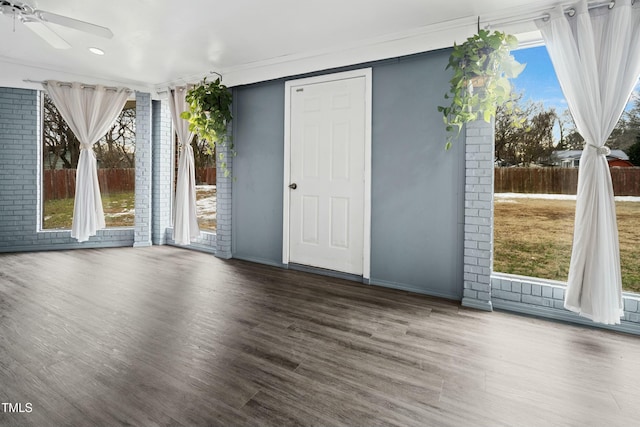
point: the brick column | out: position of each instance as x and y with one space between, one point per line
223 201
478 215
162 161
142 224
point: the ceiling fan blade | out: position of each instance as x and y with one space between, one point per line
74 23
47 34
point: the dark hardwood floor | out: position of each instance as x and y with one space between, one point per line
171 337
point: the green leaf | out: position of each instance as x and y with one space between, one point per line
485 54
209 112
512 41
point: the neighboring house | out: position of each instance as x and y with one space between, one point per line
571 159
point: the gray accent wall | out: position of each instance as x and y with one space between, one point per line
417 186
258 136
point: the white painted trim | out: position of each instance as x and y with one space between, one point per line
477 304
40 163
368 113
286 194
432 36
368 76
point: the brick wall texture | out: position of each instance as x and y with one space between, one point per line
223 201
509 292
144 170
162 170
478 215
20 177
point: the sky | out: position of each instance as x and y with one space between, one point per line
539 81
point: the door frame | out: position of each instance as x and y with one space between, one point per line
289 85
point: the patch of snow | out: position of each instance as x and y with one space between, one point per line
205 187
206 201
206 207
505 196
627 199
534 196
125 212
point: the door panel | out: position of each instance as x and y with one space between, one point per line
310 220
326 210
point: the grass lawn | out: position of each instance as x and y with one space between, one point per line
533 237
119 210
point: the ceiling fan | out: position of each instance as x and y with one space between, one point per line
37 20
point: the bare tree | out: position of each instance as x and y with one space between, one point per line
61 147
634 152
203 155
60 144
533 142
622 137
505 133
570 139
116 149
628 127
536 142
573 141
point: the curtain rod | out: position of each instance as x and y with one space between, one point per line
168 89
82 85
571 11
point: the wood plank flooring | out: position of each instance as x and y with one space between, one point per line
164 336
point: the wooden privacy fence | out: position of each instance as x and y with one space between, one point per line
626 181
61 183
206 176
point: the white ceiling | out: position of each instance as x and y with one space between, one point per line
161 42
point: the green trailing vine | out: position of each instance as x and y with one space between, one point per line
209 115
482 67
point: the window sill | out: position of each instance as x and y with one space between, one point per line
545 298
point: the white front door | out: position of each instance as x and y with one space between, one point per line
328 129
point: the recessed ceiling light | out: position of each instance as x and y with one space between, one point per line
96 51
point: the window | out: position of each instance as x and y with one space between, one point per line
115 154
536 179
205 164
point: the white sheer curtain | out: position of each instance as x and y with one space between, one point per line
89 111
596 56
185 219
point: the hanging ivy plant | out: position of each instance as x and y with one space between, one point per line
482 67
209 115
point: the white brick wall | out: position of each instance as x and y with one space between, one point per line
20 182
162 171
478 215
546 298
223 201
144 175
